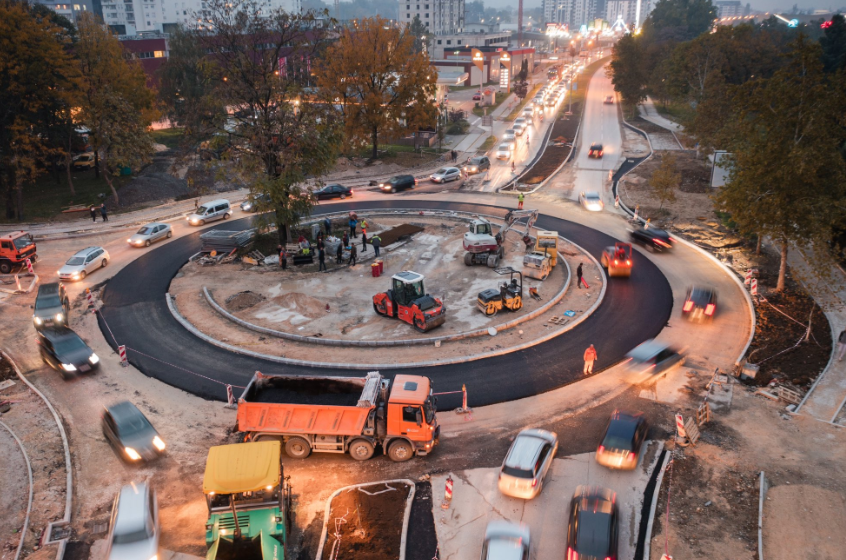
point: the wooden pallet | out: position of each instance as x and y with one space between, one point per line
559 320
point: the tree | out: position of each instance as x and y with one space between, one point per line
787 179
383 88
664 180
117 106
833 44
421 34
689 17
627 72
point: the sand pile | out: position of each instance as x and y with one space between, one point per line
243 300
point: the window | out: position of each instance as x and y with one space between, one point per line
408 16
408 6
459 41
158 54
439 41
449 41
427 15
409 414
427 6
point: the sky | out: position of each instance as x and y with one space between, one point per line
760 5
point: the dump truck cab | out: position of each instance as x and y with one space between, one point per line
412 427
15 248
246 494
547 242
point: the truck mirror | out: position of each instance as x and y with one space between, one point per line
419 417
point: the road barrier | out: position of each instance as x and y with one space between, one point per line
753 287
447 493
29 267
230 397
464 409
90 297
122 353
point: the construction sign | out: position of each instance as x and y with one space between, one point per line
478 59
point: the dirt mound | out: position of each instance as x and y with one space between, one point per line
304 305
395 234
243 300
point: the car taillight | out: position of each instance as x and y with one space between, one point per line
534 482
351 191
628 262
688 305
709 309
631 455
616 262
572 554
601 450
660 242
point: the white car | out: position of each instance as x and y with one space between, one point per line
149 234
520 125
83 263
529 112
506 541
445 175
134 525
527 463
503 152
591 201
509 136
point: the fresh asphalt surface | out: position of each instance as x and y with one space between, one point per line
134 307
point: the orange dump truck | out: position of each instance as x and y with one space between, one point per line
15 248
341 414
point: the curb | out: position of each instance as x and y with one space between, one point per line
405 518
825 370
647 542
763 488
29 503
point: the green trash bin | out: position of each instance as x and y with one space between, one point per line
125 171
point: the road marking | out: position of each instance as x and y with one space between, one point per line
474 122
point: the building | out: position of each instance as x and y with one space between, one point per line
70 10
150 49
494 59
573 13
729 8
439 16
627 10
445 43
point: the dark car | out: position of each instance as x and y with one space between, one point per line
592 532
398 183
130 433
624 436
700 304
254 201
653 239
333 191
51 306
595 150
653 357
477 165
64 351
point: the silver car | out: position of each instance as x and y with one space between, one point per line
509 136
445 175
527 463
134 525
149 234
503 152
83 263
506 541
519 126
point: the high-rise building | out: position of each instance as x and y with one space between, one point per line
573 13
627 10
71 9
729 8
441 17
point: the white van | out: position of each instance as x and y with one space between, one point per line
209 212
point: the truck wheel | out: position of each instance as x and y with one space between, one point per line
493 260
380 310
6 267
361 450
468 259
298 448
400 451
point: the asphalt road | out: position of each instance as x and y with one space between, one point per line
137 315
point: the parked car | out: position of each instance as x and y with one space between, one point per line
593 529
595 150
477 165
134 524
51 306
149 234
527 462
84 263
623 438
333 191
445 175
398 183
591 201
506 541
209 212
83 161
254 201
130 433
653 357
503 151
700 304
477 96
652 238
609 100
64 351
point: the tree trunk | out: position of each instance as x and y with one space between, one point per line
782 267
97 166
19 202
375 142
68 160
281 228
108 177
758 245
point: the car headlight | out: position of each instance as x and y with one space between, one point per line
94 358
158 443
59 317
75 276
38 320
154 557
131 453
68 367
129 241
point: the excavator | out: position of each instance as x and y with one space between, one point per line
483 247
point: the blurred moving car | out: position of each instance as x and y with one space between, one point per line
65 352
528 112
519 126
83 263
527 462
83 161
210 211
51 306
445 175
503 151
700 304
609 100
623 438
254 201
506 541
653 357
593 529
134 524
398 183
509 136
653 239
595 150
130 433
149 234
333 191
591 201
477 165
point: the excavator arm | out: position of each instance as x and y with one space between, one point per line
513 217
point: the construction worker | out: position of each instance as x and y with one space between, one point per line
353 223
327 225
579 276
513 167
339 254
363 240
353 254
376 241
364 225
520 201
283 257
590 358
321 259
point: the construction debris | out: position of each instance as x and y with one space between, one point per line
224 241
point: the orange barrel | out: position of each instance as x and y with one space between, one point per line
374 270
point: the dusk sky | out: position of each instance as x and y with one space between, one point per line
762 5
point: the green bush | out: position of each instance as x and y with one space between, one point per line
460 127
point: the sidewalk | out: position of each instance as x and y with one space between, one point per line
650 113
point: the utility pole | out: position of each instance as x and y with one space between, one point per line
520 24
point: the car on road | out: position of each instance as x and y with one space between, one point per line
51 306
65 352
398 183
333 191
503 152
519 126
653 239
84 263
506 541
509 136
622 441
445 175
477 96
134 524
149 234
130 433
700 304
653 357
591 201
83 161
595 150
254 201
477 165
527 463
594 525
529 113
609 100
210 211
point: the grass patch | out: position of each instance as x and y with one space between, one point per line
725 219
517 110
678 112
462 88
499 97
459 127
170 137
489 143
